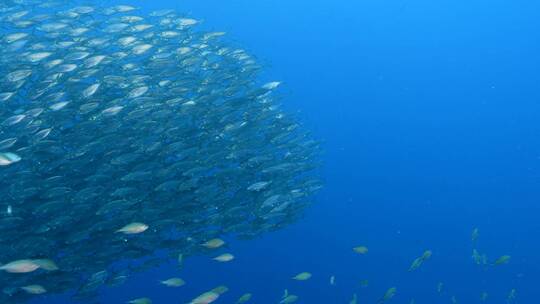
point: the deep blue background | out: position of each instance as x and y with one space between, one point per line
429 112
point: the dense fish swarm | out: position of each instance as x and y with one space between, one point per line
124 135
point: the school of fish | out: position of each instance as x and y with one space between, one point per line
123 134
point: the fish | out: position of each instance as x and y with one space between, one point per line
140 301
302 276
133 228
416 264
225 257
34 289
213 243
420 260
505 259
173 282
205 298
271 85
20 266
389 294
8 158
111 116
361 249
244 298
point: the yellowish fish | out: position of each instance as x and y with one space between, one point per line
361 249
302 276
213 243
416 264
140 301
226 257
205 298
419 261
180 260
173 282
244 298
502 260
390 293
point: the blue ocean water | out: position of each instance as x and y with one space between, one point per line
429 116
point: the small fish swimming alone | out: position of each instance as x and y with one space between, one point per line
420 260
361 249
173 282
505 259
303 276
